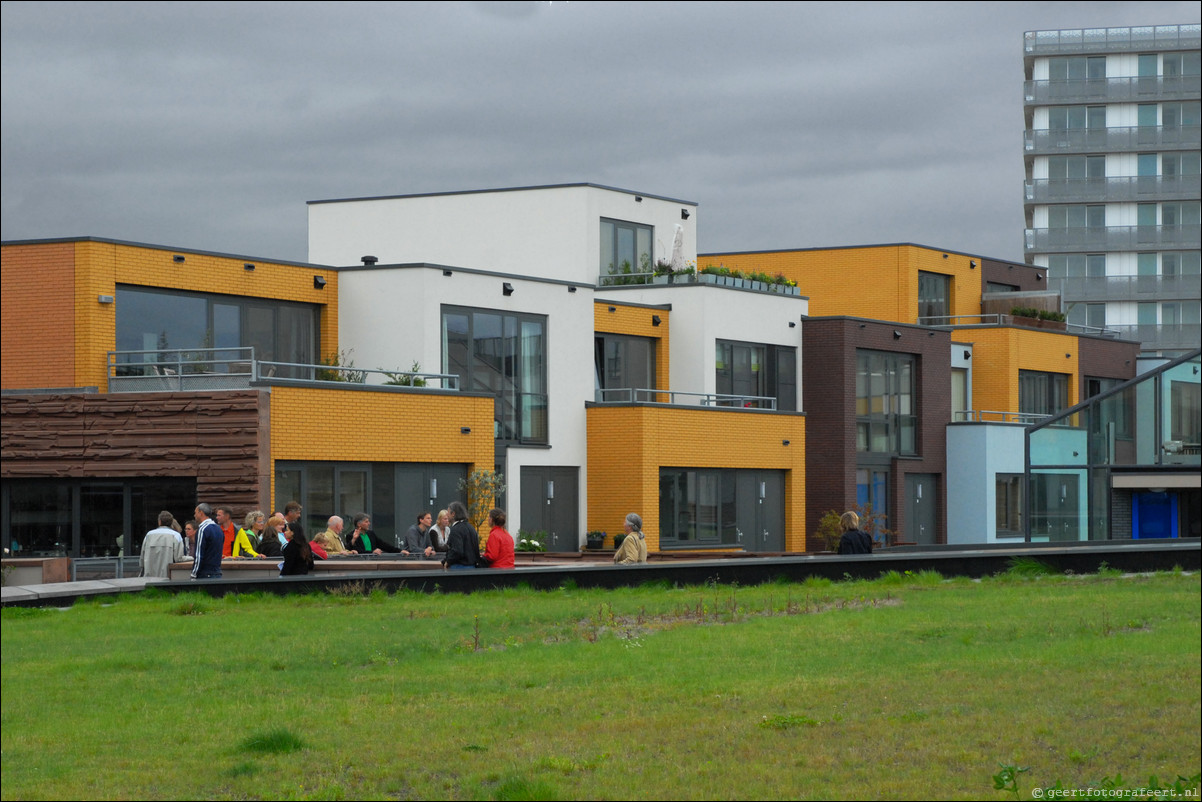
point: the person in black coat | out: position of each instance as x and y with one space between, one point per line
463 544
853 541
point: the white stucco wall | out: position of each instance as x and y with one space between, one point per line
550 232
976 453
704 313
392 316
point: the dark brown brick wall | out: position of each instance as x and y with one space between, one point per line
217 437
829 391
1013 273
1104 358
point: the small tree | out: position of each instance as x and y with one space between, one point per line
481 489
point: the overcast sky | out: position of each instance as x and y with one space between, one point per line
209 125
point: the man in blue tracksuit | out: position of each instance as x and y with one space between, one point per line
209 543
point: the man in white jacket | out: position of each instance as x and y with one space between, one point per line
161 547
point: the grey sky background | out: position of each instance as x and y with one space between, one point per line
209 125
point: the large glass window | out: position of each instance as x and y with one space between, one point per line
1062 118
934 295
503 354
1177 115
1042 393
1077 216
756 369
90 517
171 322
623 362
1008 505
886 405
626 247
1078 167
1076 68
721 507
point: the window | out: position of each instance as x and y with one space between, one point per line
1095 315
1145 264
390 492
89 517
504 354
1076 68
1145 214
621 361
1180 214
1077 167
1182 63
1042 393
164 320
1177 115
1147 115
1147 164
755 369
626 247
1062 118
1077 216
1114 409
872 494
886 406
1008 518
1180 163
934 295
1077 265
722 507
1149 65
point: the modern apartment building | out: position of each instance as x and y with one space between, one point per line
1111 152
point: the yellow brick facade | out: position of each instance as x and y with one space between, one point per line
636 321
83 270
999 353
629 444
319 424
879 282
37 298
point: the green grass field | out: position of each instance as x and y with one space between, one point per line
908 687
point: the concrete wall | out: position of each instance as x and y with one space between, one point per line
976 454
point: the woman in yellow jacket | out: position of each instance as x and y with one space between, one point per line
252 530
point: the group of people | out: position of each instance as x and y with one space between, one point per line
211 537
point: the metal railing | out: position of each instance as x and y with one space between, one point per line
1128 288
952 321
236 368
626 279
1112 40
1118 139
1112 188
1112 238
1124 89
996 416
630 395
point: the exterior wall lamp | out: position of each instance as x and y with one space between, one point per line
319 282
655 321
248 267
506 289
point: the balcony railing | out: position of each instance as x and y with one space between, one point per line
628 395
953 321
993 416
236 368
1113 189
1112 238
1112 40
1162 336
1126 89
1118 139
1128 288
629 279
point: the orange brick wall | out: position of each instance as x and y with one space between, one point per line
636 322
877 282
999 353
37 303
365 426
629 444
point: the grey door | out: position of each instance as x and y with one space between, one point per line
760 510
551 504
921 508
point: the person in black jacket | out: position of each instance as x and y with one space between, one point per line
853 541
463 544
365 541
298 557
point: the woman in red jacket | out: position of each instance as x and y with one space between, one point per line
498 552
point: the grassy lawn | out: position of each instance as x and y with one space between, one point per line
908 687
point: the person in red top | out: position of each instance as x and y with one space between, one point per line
225 519
498 552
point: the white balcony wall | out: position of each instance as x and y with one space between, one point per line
548 232
702 314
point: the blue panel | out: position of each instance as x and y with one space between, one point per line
1154 515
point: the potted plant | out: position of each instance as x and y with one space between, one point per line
1025 316
618 540
596 539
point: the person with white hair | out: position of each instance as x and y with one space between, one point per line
634 546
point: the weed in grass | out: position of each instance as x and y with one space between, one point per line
1028 568
1104 570
191 604
475 748
1007 778
244 769
272 743
788 722
520 788
1077 756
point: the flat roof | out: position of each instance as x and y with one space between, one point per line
504 189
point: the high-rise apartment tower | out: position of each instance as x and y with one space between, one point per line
1112 178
